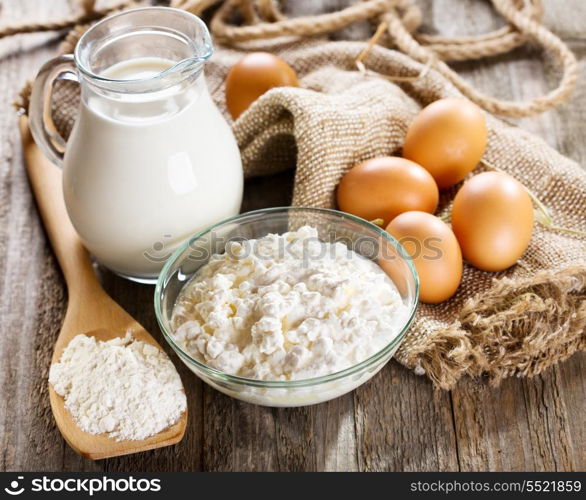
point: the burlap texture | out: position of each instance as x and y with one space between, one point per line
516 322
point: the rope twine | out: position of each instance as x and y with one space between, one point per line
398 21
88 14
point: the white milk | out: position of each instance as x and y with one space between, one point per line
144 172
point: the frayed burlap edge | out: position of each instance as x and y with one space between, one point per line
526 325
445 355
517 328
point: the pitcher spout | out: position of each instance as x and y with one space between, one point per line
130 35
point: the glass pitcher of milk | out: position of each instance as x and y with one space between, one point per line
150 159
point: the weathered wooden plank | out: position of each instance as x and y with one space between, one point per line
403 424
552 438
28 436
573 389
521 425
295 439
335 435
491 427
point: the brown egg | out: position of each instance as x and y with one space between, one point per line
252 76
435 252
385 187
492 218
447 138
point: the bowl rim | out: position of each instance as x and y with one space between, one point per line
219 375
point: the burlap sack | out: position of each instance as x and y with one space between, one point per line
516 322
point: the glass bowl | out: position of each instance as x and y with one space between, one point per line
361 236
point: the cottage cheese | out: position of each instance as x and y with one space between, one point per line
287 307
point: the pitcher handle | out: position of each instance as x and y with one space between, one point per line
42 127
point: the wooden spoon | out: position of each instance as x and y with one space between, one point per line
90 310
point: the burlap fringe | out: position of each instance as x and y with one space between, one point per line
525 323
518 328
445 355
22 101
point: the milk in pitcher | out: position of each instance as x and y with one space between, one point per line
150 160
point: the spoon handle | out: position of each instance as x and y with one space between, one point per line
45 179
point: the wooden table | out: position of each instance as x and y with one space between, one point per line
396 422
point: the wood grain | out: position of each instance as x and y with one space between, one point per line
402 423
395 422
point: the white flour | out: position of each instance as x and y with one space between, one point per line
124 387
287 307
